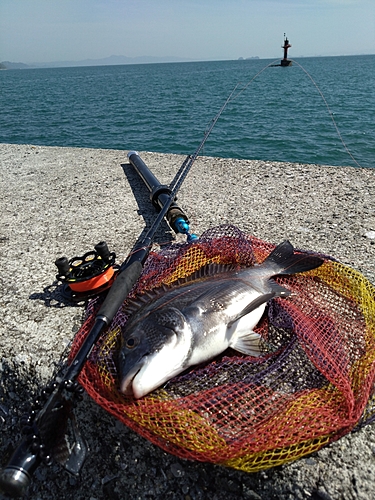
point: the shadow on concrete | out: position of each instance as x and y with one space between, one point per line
57 295
164 235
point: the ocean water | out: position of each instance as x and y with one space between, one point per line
280 115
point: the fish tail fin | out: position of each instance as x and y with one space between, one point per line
283 260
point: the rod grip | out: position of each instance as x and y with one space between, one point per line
120 290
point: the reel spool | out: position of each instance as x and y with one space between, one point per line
89 275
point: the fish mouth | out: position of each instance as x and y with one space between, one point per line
140 380
126 385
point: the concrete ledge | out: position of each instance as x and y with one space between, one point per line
62 201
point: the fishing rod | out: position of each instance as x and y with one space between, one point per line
45 428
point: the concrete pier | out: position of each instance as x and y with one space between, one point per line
62 201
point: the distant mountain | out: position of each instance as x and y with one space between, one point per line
105 61
12 65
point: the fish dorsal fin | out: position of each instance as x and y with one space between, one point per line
209 270
206 271
133 305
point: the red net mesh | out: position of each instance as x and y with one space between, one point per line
244 412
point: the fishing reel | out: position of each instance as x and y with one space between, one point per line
89 275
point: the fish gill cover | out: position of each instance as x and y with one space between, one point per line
313 387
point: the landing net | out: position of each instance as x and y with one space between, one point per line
253 413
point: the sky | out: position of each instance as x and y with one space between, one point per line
36 31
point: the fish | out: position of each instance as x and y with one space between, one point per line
189 322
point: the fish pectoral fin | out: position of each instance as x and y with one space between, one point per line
254 305
279 290
249 344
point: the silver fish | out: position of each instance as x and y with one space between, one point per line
191 321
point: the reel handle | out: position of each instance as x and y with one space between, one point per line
62 265
102 250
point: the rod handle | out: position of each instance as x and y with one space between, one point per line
119 291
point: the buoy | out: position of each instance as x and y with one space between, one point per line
286 46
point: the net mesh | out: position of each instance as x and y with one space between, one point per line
253 413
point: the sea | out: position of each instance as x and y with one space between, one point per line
320 110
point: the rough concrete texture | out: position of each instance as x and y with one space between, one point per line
62 201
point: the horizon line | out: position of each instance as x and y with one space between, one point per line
160 60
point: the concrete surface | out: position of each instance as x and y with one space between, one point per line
62 201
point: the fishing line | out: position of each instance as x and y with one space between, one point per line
190 159
329 111
254 77
231 98
234 96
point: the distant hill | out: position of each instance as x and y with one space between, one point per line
12 65
105 61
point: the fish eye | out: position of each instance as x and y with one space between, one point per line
131 342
